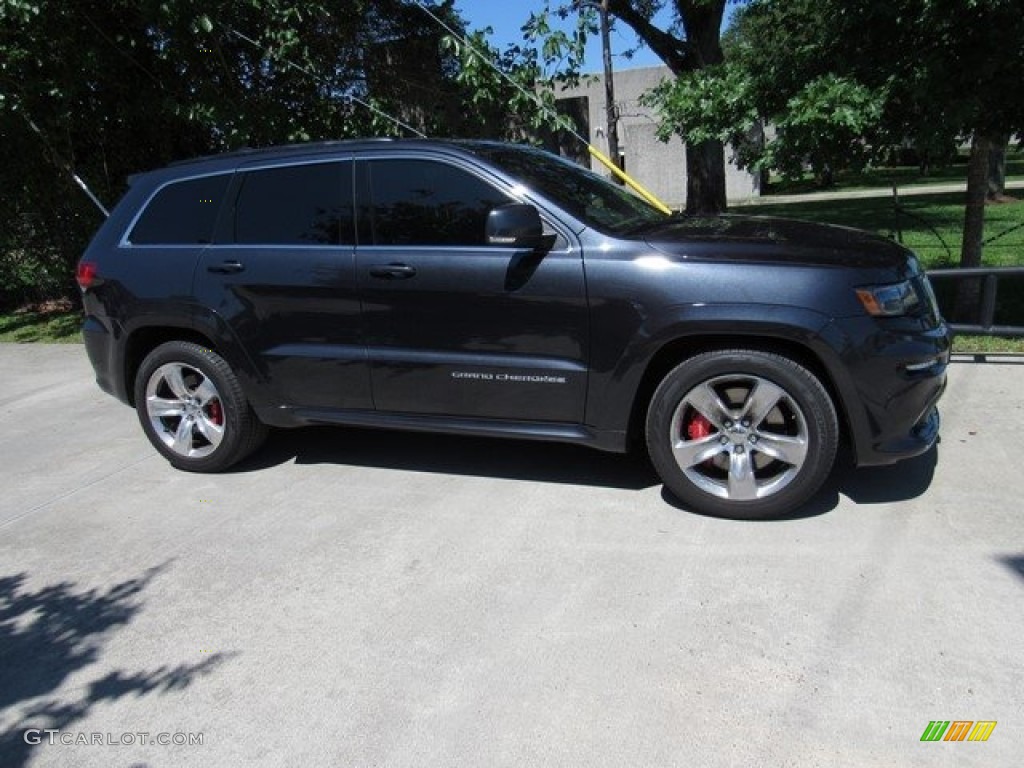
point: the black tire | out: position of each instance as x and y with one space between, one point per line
761 442
193 410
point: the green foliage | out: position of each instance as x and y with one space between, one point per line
514 91
841 83
121 86
710 104
826 124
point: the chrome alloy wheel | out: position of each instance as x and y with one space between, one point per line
739 437
185 410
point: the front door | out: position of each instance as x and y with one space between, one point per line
455 326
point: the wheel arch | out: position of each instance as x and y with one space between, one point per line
675 351
141 341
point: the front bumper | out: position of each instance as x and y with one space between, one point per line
920 439
899 375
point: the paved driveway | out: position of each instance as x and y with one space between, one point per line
354 598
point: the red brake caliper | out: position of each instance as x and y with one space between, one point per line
697 428
216 413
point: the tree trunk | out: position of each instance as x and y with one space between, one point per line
997 167
969 291
705 178
705 163
699 47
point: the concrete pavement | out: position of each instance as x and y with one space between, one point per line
358 598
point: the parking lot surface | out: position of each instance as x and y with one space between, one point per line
359 598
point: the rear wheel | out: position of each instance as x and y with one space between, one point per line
193 410
742 433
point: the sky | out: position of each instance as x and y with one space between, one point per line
507 17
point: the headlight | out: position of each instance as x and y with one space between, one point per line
888 300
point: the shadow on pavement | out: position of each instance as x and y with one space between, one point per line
883 485
557 463
48 634
454 455
869 485
1015 563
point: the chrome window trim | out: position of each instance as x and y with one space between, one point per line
522 195
124 242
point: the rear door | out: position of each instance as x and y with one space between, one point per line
455 326
156 258
282 277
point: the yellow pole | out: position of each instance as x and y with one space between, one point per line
650 198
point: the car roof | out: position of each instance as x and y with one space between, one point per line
333 147
228 161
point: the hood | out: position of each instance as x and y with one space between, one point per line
763 238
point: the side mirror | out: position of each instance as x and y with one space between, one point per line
514 225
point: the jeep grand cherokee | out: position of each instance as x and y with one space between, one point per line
491 289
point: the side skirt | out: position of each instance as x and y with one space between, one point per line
602 440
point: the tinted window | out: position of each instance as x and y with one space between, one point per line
583 193
296 205
419 202
182 213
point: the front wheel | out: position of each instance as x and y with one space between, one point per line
742 433
193 410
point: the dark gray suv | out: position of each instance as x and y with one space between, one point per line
492 289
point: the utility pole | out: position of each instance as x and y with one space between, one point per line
610 113
609 86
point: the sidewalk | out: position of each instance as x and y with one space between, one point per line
857 194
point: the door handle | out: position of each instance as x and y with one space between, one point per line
226 267
392 271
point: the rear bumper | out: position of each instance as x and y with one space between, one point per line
101 347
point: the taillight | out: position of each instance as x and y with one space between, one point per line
86 274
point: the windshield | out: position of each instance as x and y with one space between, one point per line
589 197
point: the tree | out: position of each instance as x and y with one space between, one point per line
696 49
513 92
997 169
850 79
955 63
116 87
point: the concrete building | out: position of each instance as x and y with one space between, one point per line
659 166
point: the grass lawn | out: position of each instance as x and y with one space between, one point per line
58 327
932 225
902 176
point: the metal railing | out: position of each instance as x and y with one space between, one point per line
985 325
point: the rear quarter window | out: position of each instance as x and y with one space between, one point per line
182 213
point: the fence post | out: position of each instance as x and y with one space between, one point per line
988 300
896 212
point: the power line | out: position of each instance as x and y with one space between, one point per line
594 151
61 163
348 96
487 60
